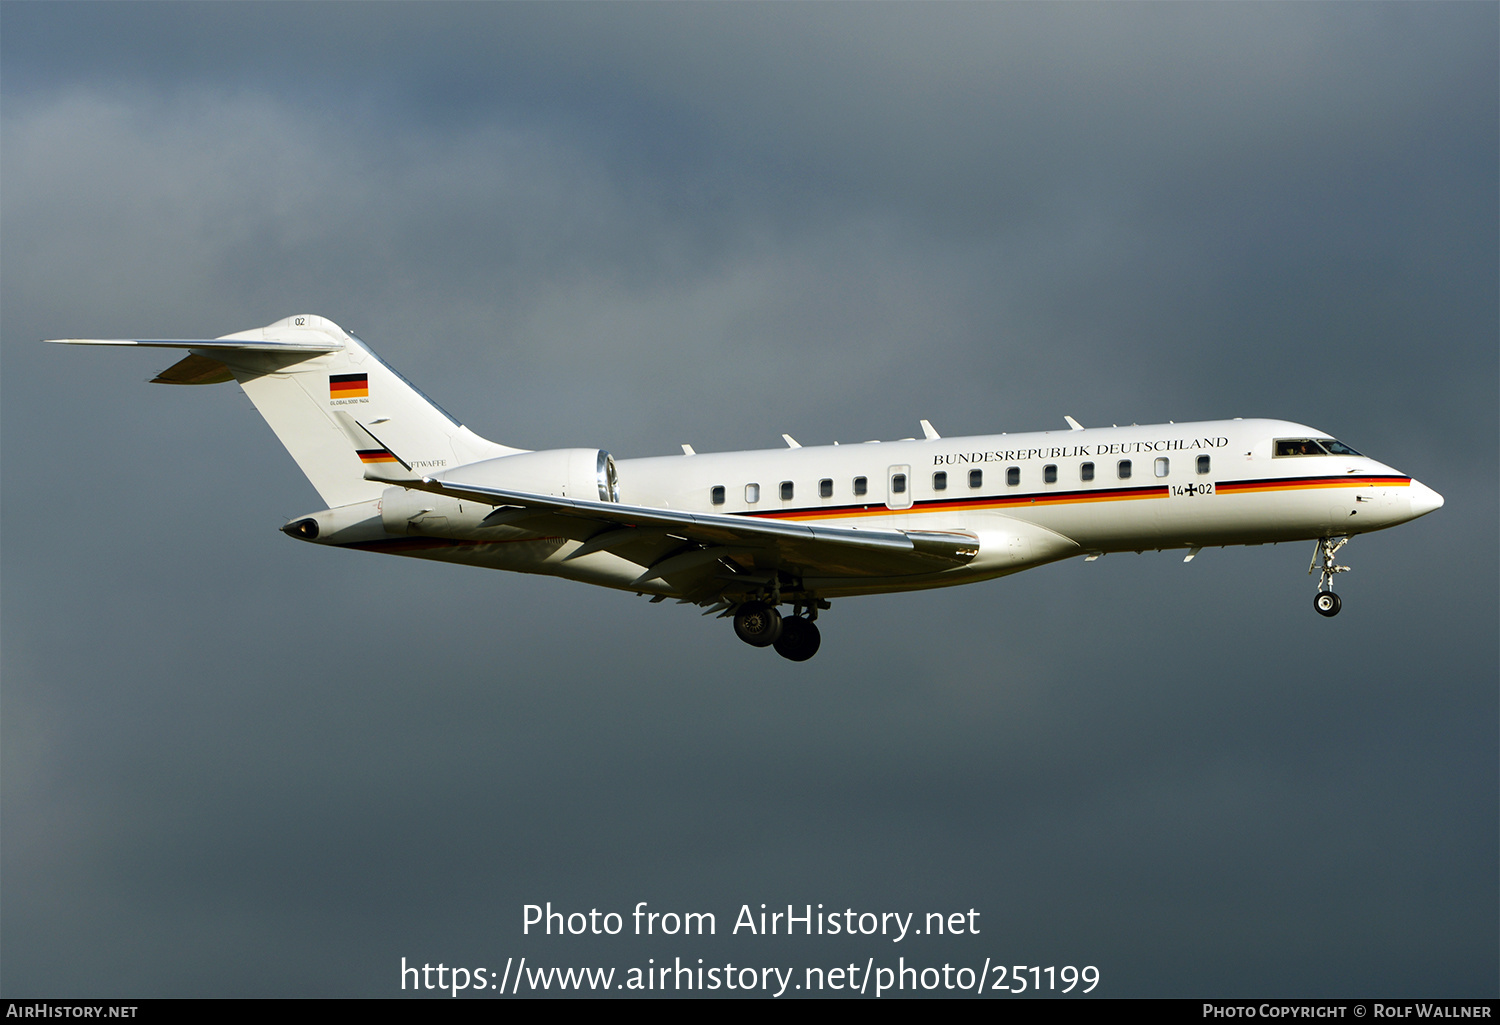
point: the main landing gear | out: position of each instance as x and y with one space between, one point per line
794 637
1325 601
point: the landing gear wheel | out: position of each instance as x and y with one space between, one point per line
1327 603
799 639
757 624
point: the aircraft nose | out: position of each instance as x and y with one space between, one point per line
1423 499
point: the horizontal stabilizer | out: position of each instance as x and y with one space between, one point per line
207 344
194 369
302 371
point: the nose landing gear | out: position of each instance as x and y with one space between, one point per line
1325 601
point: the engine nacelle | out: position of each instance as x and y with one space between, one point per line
566 473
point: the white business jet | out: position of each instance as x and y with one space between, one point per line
744 534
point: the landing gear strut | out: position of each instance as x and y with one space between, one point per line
1325 601
795 637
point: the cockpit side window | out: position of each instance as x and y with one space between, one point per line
1338 448
1299 447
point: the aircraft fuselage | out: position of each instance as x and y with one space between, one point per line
1030 498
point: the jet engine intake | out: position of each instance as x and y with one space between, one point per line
567 473
563 472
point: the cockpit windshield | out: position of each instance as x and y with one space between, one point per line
1312 447
1299 447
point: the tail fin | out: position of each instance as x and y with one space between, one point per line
314 383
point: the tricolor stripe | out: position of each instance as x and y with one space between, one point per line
967 504
348 386
1049 498
376 455
1245 487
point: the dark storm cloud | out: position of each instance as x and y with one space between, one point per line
977 109
237 765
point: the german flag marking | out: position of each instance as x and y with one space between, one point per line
376 455
967 504
1049 498
1246 487
348 386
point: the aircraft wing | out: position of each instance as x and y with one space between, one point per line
714 541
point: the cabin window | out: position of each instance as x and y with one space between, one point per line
716 496
898 483
940 481
1049 473
976 478
752 493
786 491
1163 466
1086 471
1203 464
825 487
861 485
1299 447
1012 476
1124 469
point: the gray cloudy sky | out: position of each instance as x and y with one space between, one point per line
236 765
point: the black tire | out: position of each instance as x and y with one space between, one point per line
757 624
799 639
1327 603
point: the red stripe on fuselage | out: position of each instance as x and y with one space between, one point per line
1040 498
1305 483
966 504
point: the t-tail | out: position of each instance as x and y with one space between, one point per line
353 425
